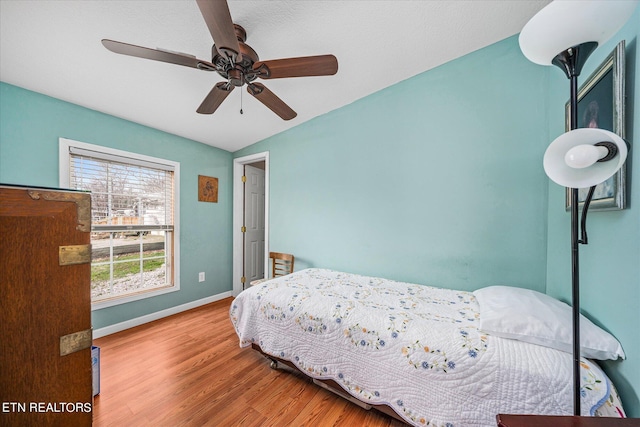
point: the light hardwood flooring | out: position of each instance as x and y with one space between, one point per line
189 370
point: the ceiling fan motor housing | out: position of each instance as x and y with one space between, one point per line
241 71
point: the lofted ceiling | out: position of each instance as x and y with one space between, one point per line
54 48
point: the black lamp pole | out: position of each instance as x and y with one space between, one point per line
571 62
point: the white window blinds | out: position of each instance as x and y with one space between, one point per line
128 192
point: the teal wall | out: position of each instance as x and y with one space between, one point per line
610 263
30 125
411 183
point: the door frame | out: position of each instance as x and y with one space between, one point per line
238 211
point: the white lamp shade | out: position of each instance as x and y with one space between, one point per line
561 173
565 23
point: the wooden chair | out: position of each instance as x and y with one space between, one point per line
281 264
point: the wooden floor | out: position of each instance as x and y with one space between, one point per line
188 370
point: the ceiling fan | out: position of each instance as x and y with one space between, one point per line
236 61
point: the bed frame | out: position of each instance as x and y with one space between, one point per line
329 385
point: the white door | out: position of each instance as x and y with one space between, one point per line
254 190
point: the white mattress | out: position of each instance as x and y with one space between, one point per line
414 348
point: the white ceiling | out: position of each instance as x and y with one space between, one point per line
53 47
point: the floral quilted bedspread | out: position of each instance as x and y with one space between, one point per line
414 348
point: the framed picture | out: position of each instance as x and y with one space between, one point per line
601 105
207 189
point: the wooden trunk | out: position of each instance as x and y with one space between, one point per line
45 316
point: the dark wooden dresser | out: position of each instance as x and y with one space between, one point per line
45 315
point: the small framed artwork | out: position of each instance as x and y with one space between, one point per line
601 105
207 189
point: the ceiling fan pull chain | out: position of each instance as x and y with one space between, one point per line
241 103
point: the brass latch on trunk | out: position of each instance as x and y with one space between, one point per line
74 254
75 342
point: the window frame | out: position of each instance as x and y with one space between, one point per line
65 146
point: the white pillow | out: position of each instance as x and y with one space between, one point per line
530 316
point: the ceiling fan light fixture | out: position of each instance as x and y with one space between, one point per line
236 77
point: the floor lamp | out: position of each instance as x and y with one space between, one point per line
564 34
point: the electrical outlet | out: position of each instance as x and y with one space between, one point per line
201 276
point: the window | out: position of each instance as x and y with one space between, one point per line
133 220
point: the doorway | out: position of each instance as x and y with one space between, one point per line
250 235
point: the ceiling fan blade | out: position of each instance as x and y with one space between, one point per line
158 55
271 101
218 18
304 66
213 100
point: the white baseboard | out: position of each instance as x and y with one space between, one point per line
112 329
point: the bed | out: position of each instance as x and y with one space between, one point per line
417 350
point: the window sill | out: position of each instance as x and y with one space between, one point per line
117 300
